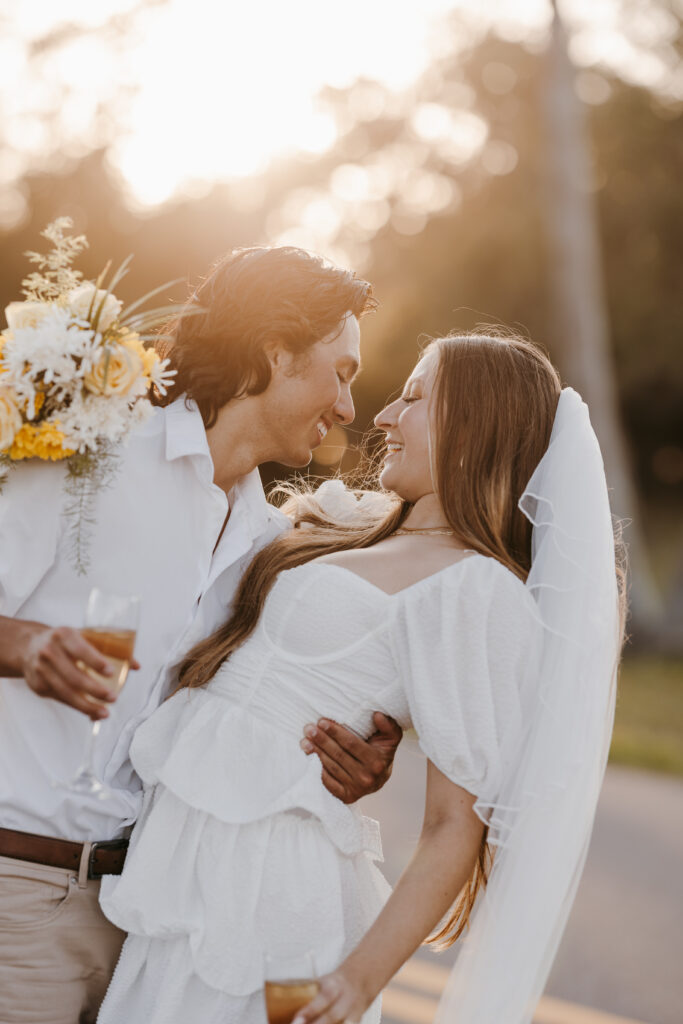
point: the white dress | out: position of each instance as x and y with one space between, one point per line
239 847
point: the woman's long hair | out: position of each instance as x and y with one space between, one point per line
494 404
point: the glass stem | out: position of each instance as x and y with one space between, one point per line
88 765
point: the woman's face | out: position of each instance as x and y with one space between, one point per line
406 422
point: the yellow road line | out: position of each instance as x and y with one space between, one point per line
557 1011
414 1008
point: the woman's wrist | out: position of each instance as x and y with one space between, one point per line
359 972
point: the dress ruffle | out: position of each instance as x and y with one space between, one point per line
195 739
295 853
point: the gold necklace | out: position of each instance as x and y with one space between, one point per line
427 532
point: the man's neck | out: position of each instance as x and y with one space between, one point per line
236 442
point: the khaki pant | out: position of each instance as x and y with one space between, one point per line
57 949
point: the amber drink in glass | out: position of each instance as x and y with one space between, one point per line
289 986
111 623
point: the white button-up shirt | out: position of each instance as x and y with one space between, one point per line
154 535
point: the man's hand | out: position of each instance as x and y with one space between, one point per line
353 767
53 663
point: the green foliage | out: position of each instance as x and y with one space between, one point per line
648 730
87 476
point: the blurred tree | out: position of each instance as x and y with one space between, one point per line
581 319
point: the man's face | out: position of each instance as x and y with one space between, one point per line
309 393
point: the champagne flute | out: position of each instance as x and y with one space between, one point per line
111 622
289 985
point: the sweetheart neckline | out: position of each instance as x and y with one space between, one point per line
380 590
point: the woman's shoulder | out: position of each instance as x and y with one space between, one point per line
473 581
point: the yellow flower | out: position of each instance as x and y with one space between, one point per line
114 372
45 441
148 356
10 418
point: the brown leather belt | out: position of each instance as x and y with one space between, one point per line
104 859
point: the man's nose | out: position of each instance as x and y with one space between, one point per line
344 410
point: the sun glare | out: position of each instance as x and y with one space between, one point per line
195 91
225 90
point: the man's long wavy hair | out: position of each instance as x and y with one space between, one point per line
494 404
250 299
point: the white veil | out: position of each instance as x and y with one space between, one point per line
542 820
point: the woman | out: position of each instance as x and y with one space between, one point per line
415 604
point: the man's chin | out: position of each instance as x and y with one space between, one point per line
296 460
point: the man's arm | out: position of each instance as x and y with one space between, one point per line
353 767
49 659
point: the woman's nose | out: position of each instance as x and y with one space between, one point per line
387 417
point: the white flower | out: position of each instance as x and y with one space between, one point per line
55 354
87 296
336 501
161 377
345 506
10 418
92 420
26 314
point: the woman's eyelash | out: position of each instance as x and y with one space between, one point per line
409 398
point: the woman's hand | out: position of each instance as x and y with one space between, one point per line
341 997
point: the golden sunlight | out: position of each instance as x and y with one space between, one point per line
186 93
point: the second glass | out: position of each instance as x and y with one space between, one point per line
289 985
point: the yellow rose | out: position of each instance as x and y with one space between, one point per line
10 418
25 314
114 372
148 356
79 301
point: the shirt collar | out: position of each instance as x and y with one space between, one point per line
186 436
185 432
248 502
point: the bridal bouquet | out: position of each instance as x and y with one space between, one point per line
75 373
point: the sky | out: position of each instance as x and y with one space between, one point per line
219 89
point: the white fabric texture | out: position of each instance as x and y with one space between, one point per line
542 818
155 532
240 847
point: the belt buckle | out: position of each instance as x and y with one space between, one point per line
106 844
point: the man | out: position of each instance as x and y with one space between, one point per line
266 369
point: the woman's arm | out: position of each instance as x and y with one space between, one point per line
443 861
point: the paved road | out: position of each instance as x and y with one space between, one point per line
622 953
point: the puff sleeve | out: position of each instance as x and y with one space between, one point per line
467 642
